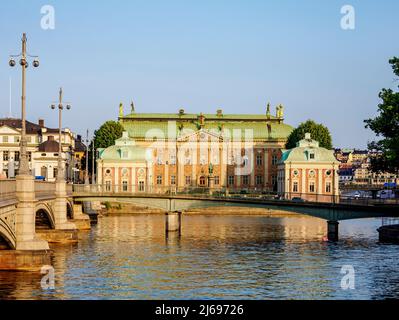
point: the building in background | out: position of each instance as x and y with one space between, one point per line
355 170
221 151
309 172
78 172
37 136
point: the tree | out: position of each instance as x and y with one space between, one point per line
386 126
107 134
104 137
319 133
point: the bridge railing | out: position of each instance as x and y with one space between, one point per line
44 189
231 193
8 190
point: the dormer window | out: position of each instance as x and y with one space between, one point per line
311 156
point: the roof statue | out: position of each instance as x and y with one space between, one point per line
280 111
133 109
121 109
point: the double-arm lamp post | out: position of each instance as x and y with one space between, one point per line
60 106
23 160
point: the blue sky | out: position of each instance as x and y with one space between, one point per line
204 55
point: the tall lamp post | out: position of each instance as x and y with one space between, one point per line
23 160
60 171
87 159
93 175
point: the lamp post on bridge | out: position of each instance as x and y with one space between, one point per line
87 182
23 158
60 171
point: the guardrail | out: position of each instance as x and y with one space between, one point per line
135 190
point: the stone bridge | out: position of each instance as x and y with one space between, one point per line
180 200
29 208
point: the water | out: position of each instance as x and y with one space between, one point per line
217 257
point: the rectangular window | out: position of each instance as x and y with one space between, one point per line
173 180
159 180
311 156
295 187
5 139
311 187
16 155
328 187
124 186
173 159
245 180
231 181
259 160
6 155
141 186
28 139
274 160
217 180
259 180
188 180
16 139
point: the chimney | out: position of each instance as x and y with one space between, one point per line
41 123
219 112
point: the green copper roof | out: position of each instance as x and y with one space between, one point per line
128 153
305 148
158 125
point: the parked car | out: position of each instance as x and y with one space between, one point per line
385 194
297 199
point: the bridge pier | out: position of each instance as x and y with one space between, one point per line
60 208
81 220
173 221
25 216
31 252
332 230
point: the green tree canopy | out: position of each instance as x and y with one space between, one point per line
107 134
318 132
386 126
104 137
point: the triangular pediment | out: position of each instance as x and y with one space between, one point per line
8 130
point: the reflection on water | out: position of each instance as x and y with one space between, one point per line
217 257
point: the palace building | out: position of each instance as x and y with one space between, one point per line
309 172
164 150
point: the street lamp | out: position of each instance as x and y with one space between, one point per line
93 175
87 159
23 159
60 171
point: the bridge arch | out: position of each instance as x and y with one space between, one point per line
44 219
7 240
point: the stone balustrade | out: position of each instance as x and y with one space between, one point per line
8 190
